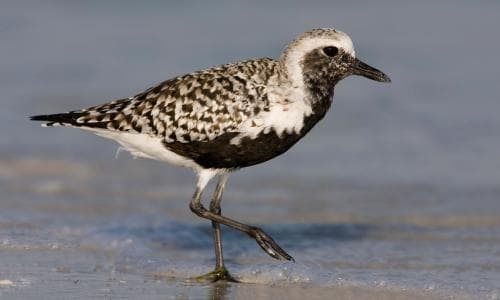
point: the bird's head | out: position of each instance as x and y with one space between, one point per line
323 57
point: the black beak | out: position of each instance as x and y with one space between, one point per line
362 69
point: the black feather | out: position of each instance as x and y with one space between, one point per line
64 118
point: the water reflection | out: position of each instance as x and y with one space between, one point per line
219 290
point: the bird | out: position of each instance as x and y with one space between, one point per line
221 119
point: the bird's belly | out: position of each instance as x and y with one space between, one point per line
224 153
221 153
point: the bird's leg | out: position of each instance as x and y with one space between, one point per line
220 272
262 238
215 208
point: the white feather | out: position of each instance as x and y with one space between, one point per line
143 145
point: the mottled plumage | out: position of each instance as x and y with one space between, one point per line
195 107
229 117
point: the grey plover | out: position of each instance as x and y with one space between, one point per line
222 119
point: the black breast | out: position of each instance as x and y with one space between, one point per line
220 153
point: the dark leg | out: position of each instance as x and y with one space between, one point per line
220 272
215 208
262 238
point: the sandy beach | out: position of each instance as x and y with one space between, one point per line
63 238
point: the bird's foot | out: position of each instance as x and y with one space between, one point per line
219 274
269 245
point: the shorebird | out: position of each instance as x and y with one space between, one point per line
222 119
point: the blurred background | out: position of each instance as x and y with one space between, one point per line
397 188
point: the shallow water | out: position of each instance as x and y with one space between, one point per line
395 195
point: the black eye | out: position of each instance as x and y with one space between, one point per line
331 51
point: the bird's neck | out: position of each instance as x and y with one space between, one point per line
319 92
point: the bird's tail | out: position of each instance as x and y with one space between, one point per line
64 119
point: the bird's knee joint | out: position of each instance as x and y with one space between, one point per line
197 208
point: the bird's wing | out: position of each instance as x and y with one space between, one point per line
195 107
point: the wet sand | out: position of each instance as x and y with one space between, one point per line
57 272
63 236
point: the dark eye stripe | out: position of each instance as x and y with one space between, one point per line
330 51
